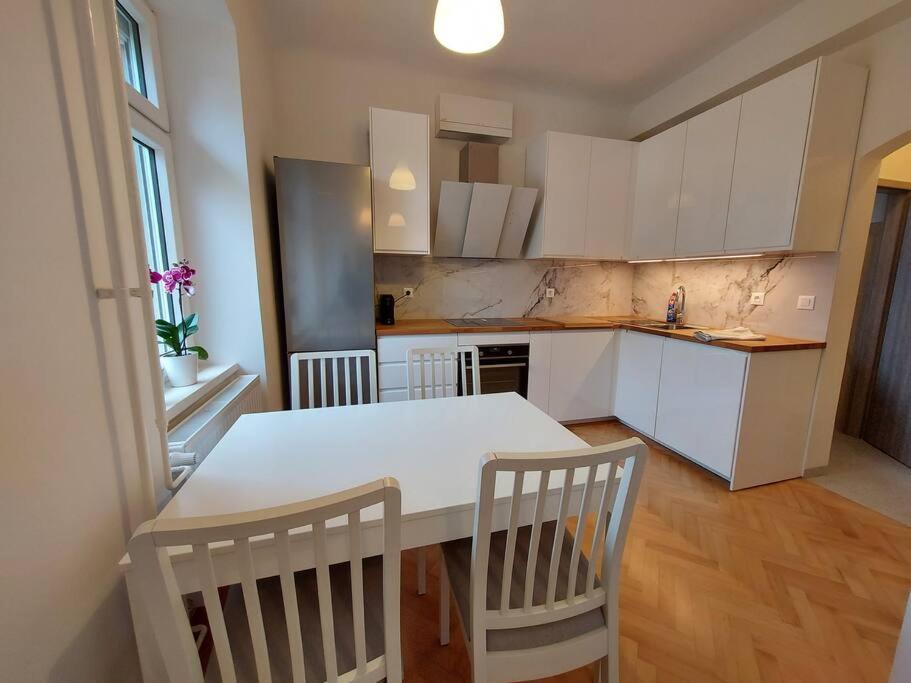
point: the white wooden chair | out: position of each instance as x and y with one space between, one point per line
333 378
427 372
288 626
529 601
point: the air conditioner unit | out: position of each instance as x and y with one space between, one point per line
460 117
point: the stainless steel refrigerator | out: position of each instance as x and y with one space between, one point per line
326 240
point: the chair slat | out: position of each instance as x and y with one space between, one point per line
253 609
433 375
464 373
335 374
535 539
289 600
310 383
580 528
556 554
206 575
347 362
600 525
423 384
511 534
360 382
324 590
371 370
322 383
357 591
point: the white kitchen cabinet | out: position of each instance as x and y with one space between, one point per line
659 171
795 153
557 164
582 364
400 167
638 374
699 402
609 198
539 353
705 191
585 189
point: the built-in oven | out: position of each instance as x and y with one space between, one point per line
503 367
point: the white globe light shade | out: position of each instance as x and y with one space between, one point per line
468 26
402 178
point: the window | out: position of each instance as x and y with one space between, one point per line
130 51
138 42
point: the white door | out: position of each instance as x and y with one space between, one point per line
708 166
400 165
581 374
566 188
638 373
699 402
769 162
659 170
610 184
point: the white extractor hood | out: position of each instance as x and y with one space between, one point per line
482 219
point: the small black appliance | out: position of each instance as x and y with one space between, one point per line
386 309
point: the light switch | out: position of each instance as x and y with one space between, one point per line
549 293
806 302
757 298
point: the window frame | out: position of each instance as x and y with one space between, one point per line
153 137
154 106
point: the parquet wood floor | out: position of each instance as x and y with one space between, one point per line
781 583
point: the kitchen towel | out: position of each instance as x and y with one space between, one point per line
738 333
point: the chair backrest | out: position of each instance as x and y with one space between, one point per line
614 504
333 378
158 585
428 377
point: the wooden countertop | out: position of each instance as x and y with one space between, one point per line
577 322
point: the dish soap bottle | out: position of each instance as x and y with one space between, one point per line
672 308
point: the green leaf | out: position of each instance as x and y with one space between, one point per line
199 351
190 320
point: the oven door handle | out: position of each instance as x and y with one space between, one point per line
502 365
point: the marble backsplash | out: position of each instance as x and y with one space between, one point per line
464 288
718 292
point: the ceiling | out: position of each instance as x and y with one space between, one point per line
619 50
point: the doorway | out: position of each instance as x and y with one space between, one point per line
875 402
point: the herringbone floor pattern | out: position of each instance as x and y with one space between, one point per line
787 582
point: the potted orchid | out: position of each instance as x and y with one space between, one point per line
180 362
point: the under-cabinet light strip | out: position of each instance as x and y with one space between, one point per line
697 258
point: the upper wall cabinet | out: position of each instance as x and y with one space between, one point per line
658 174
400 165
795 152
584 192
708 165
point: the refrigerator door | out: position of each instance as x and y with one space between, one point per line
326 233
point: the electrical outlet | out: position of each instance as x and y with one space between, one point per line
408 292
549 292
757 298
806 302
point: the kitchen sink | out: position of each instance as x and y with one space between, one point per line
666 326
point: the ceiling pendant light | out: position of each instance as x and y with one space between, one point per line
468 26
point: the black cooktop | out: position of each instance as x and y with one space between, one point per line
483 322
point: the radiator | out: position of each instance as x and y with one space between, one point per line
194 438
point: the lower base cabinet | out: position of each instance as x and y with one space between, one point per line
701 389
582 366
638 374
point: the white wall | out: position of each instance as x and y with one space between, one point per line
896 168
66 492
202 81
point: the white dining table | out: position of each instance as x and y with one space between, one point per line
432 447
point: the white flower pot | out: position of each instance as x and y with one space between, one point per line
181 370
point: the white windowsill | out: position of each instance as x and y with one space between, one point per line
212 377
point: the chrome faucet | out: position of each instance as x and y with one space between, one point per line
680 304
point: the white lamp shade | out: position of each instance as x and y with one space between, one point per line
468 26
402 178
